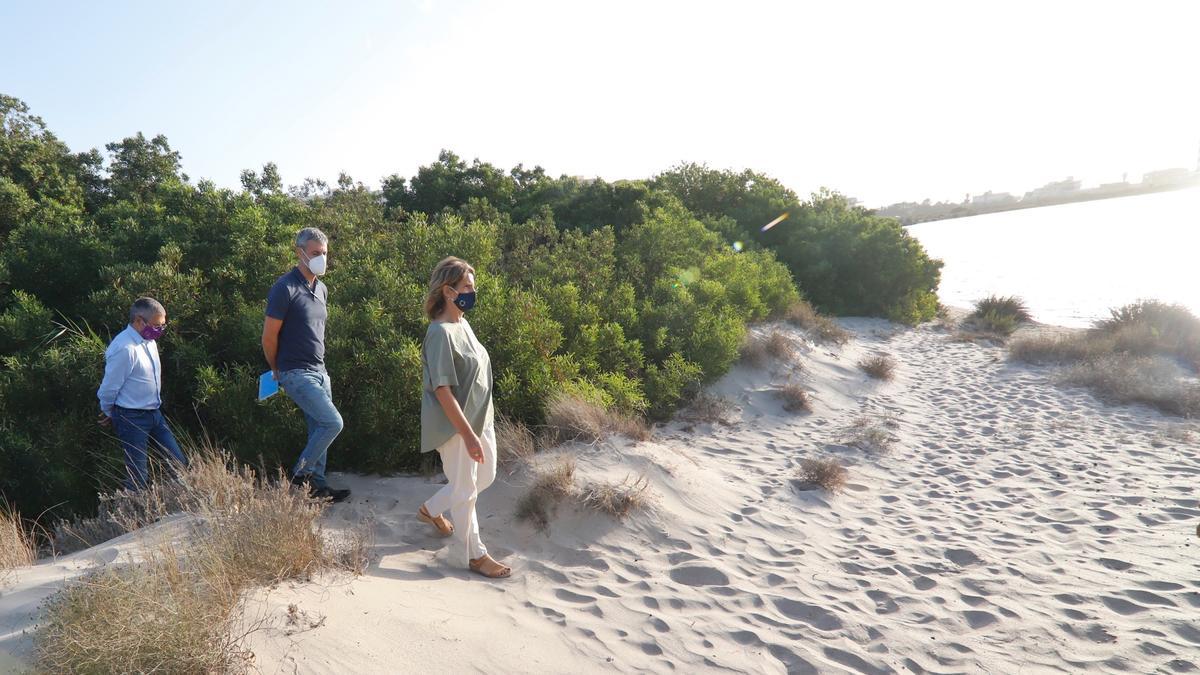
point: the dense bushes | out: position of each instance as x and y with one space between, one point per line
630 289
847 261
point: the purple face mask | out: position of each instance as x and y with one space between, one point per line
149 332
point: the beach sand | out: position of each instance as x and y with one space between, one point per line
1014 526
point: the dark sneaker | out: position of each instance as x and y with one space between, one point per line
338 495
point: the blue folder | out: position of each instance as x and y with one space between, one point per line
267 386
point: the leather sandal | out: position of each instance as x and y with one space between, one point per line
443 526
490 568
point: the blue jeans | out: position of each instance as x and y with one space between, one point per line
135 429
313 392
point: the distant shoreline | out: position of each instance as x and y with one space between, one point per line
1095 194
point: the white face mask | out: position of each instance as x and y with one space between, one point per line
316 264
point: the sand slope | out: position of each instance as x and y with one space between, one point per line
1015 527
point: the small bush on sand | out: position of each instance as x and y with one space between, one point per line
826 474
795 397
516 443
572 418
820 327
1059 348
1124 378
177 611
556 483
550 486
616 499
708 408
1133 357
879 366
166 614
759 349
17 548
871 434
118 513
998 315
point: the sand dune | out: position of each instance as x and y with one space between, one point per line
1013 527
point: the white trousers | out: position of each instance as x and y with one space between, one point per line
467 478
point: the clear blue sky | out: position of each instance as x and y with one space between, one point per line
881 100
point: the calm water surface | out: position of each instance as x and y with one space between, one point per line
1071 263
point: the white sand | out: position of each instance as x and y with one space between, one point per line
1015 527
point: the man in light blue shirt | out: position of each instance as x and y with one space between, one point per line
131 393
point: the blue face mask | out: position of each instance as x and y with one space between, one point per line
465 301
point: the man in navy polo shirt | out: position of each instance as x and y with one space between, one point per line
293 341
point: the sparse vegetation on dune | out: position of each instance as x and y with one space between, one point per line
1124 378
178 609
795 397
172 613
17 547
871 433
996 316
709 408
759 349
820 327
617 499
1147 352
879 367
571 417
826 474
551 484
515 442
555 482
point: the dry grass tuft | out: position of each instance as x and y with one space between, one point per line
826 474
759 349
879 366
170 613
178 611
871 434
17 548
1142 354
516 443
617 499
994 317
710 409
571 418
820 327
556 483
550 486
795 398
1174 434
1124 378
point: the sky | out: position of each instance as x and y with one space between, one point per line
882 101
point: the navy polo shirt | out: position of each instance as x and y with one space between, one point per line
303 310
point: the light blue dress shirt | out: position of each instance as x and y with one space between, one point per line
132 374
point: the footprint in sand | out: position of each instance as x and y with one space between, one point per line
815 616
699 576
979 619
1115 565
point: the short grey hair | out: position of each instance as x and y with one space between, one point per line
309 234
146 308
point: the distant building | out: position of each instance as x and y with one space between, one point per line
1167 177
1055 190
990 198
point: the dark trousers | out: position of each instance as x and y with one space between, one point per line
137 429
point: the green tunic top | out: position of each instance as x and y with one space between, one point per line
452 356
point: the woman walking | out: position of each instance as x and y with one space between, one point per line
457 416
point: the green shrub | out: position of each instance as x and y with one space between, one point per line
633 287
1007 308
670 384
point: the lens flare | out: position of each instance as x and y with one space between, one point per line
775 222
